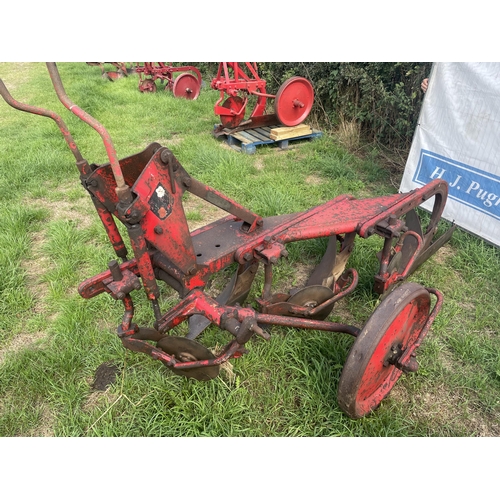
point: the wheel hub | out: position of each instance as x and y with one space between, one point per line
393 355
311 297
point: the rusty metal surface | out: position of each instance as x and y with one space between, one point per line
385 348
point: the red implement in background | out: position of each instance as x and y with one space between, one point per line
292 103
145 191
119 71
186 84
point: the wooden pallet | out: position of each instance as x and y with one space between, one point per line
247 140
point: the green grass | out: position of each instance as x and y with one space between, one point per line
52 341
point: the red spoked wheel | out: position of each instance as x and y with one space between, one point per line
235 105
294 101
370 371
147 85
186 85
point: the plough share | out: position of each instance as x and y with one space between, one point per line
144 192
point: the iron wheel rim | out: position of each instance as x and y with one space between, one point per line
367 376
293 90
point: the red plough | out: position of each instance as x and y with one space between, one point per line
120 70
186 84
144 191
292 103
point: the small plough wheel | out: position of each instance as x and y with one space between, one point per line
294 101
147 85
186 350
186 85
370 370
235 104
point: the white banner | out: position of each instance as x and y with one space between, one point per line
457 139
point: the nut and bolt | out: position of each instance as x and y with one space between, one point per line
165 156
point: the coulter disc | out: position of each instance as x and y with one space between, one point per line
312 296
186 350
147 85
235 104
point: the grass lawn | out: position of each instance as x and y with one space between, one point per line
52 341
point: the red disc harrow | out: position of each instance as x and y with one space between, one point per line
182 81
144 192
239 81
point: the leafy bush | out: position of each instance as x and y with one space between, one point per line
384 98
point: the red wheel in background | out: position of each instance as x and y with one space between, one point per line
235 104
370 371
186 85
294 101
147 85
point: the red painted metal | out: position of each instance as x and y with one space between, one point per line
187 84
145 191
385 348
236 111
120 71
293 102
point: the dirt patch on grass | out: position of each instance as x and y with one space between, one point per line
259 164
225 145
46 426
443 255
16 74
76 211
21 341
207 213
313 180
39 264
99 399
302 273
174 140
446 409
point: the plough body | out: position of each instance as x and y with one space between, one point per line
186 84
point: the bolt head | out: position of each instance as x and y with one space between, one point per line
165 156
